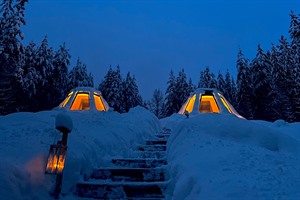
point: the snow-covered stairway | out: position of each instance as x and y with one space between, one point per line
143 176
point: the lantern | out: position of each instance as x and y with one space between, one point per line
56 159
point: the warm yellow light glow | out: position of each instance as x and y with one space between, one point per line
208 104
190 104
98 103
81 102
225 104
66 99
56 159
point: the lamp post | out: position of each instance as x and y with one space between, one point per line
57 153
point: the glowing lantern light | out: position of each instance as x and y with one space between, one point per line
56 159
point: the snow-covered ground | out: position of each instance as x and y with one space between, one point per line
215 156
211 156
25 139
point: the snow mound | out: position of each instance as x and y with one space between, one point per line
96 137
215 156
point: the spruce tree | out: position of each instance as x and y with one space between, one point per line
182 90
295 71
244 87
78 76
233 93
111 89
156 105
44 67
191 86
207 79
11 52
221 83
130 94
61 63
170 96
230 89
262 90
29 79
281 80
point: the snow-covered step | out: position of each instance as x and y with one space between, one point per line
156 142
151 154
121 190
152 148
130 174
163 136
139 162
166 131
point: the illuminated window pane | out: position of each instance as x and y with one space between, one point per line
225 103
208 104
190 104
98 103
81 102
66 100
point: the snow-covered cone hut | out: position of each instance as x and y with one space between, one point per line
84 98
207 100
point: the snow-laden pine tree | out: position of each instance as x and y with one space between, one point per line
170 95
281 80
130 94
191 87
182 90
221 82
78 76
244 87
29 79
44 67
60 75
295 52
229 90
156 104
262 89
11 52
207 79
233 92
111 88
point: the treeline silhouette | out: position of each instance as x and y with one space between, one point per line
37 77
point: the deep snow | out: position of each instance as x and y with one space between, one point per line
215 156
211 156
25 139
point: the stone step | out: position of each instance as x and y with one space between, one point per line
152 148
121 190
156 142
130 174
139 163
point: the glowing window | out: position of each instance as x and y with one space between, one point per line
98 102
66 100
190 104
208 104
225 103
81 102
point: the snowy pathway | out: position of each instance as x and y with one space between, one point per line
144 176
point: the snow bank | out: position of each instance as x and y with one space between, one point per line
215 156
25 139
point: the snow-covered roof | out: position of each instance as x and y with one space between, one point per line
84 98
207 100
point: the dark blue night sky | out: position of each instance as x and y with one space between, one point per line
149 38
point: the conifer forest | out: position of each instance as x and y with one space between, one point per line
36 77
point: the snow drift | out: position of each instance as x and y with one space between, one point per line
215 156
96 138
